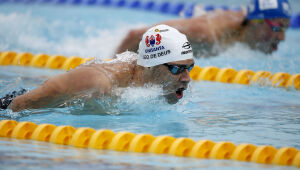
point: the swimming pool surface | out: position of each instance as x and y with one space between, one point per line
209 110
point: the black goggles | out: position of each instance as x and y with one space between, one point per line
177 69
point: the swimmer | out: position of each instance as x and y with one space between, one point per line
262 27
165 58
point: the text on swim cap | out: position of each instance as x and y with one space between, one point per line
268 4
186 52
187 46
158 30
159 54
154 49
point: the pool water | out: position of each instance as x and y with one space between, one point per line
209 110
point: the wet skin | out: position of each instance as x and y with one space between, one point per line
220 28
174 84
265 39
99 80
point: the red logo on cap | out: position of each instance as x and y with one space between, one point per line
151 40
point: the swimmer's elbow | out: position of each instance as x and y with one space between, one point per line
130 42
132 34
136 34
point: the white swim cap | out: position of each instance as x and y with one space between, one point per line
162 44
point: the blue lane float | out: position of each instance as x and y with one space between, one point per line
148 6
120 3
189 10
166 7
295 21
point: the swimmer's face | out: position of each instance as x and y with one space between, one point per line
267 34
174 76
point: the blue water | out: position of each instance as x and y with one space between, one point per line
209 110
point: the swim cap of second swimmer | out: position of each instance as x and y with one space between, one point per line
268 9
162 44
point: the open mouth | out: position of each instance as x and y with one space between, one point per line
179 93
173 97
274 46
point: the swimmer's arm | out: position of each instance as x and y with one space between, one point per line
210 27
203 29
132 39
58 89
194 31
214 26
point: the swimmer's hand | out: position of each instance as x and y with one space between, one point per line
8 98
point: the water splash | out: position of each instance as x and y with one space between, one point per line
52 37
124 101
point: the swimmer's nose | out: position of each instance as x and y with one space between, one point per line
185 76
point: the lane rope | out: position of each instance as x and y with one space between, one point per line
209 73
85 137
186 10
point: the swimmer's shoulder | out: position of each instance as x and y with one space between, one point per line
106 68
97 76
